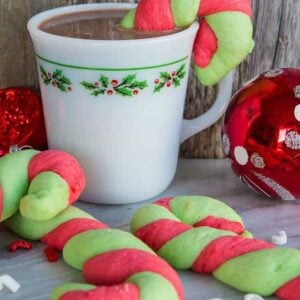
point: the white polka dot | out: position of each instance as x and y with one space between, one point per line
297 112
241 155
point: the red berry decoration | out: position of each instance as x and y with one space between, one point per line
174 73
69 89
114 82
53 83
156 81
168 84
96 83
261 134
135 92
21 119
110 92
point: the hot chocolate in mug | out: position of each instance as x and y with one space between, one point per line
117 105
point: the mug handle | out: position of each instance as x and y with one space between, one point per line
192 127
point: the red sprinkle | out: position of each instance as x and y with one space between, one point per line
51 254
19 244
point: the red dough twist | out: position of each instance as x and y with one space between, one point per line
225 34
189 233
63 164
115 261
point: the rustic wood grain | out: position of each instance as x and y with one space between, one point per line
276 32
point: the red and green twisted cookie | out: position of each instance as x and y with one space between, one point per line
224 38
40 184
207 236
116 265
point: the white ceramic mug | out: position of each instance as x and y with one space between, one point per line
117 105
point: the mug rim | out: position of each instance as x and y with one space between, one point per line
35 21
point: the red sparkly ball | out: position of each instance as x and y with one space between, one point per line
261 134
21 119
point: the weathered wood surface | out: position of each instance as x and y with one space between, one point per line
277 35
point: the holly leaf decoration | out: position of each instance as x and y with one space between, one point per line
123 91
181 72
57 74
98 92
176 82
87 85
139 85
57 78
46 80
104 81
43 71
61 87
165 75
65 80
158 87
181 68
128 79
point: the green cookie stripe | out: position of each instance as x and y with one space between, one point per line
182 251
233 31
14 180
47 195
192 209
86 245
70 287
149 214
262 272
184 11
35 230
153 286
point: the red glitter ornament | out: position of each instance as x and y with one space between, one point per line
261 134
21 119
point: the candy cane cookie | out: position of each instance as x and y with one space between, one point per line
224 38
207 236
116 265
40 184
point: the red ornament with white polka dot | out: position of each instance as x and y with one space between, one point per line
261 134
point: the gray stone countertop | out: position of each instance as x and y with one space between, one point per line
263 217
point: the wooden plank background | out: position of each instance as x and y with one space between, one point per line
277 35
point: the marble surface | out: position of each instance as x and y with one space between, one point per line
263 217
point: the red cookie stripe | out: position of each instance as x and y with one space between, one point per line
290 291
221 223
225 248
205 45
164 202
157 233
117 266
154 15
126 291
58 237
208 7
63 164
1 203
